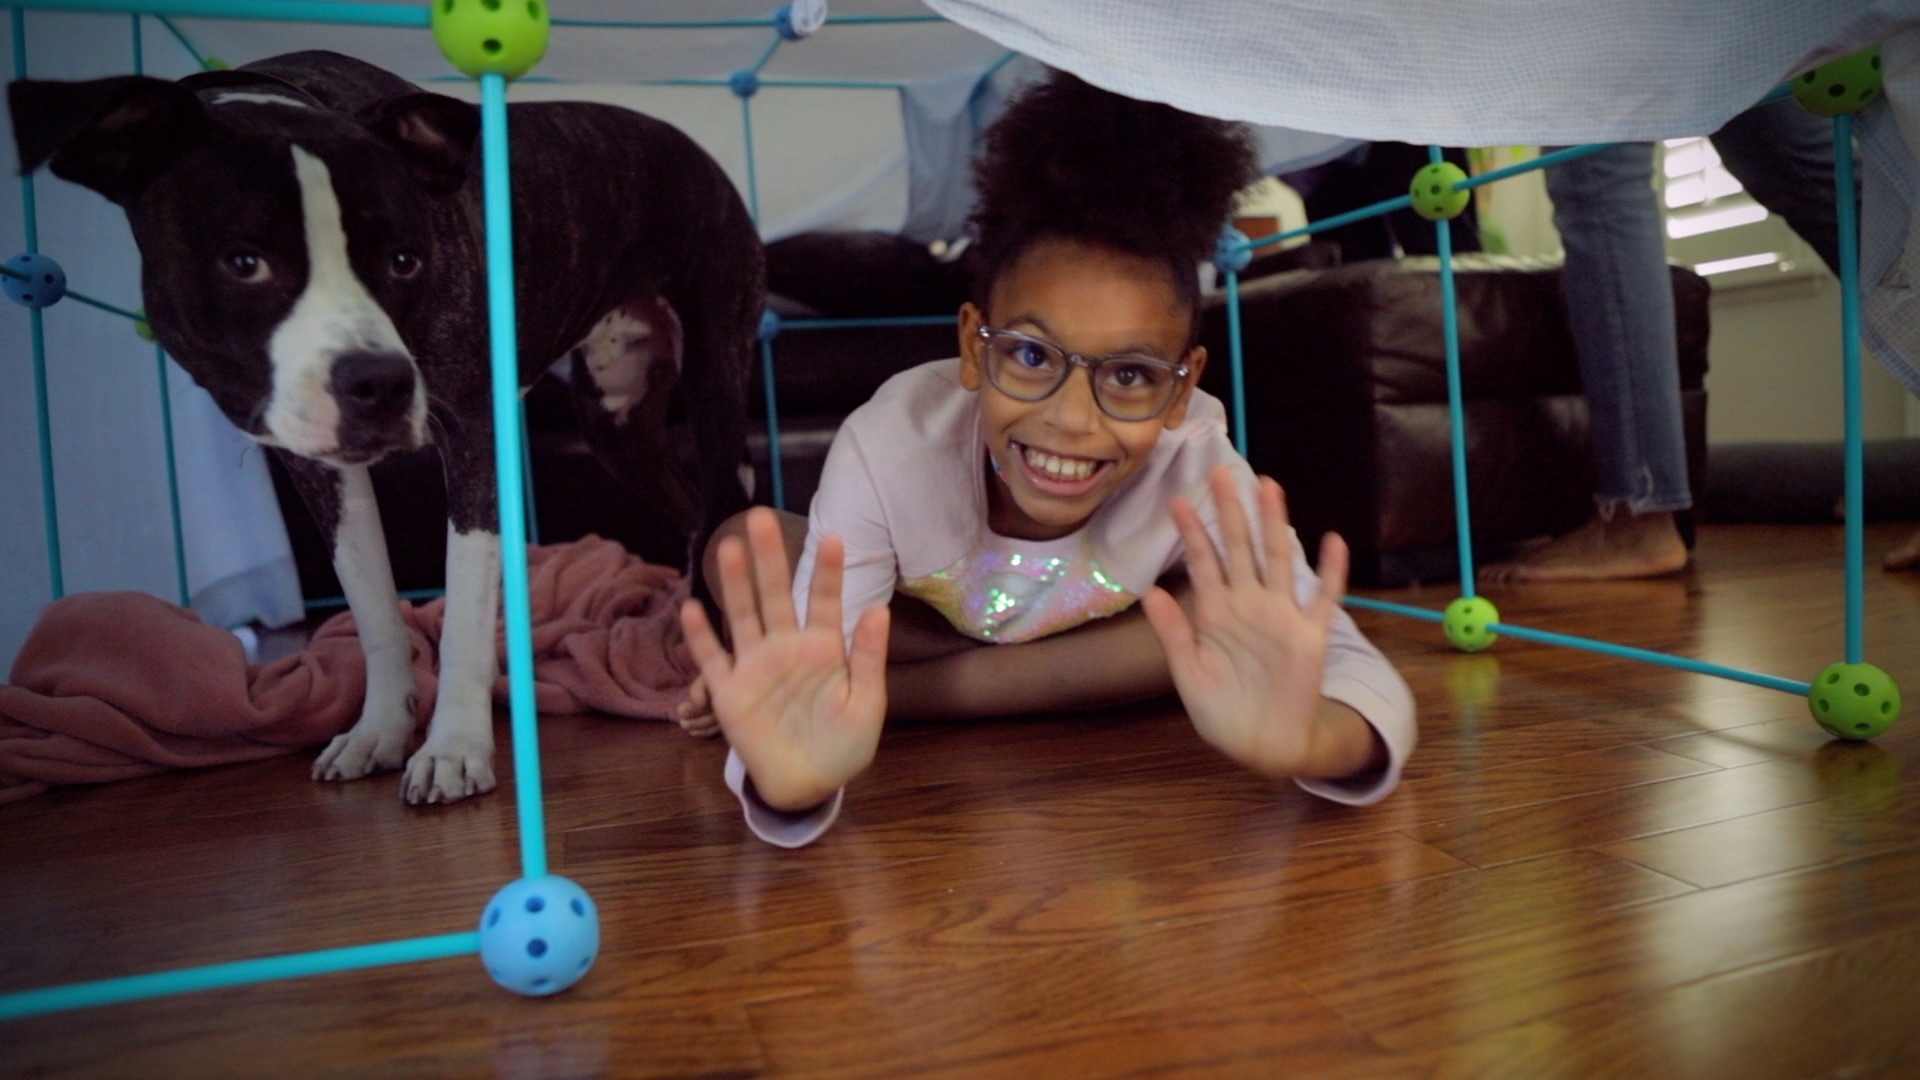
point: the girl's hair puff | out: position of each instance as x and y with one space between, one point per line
1067 160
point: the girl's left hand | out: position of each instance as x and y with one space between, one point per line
1248 664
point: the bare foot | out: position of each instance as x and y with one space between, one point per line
696 713
1906 556
1628 546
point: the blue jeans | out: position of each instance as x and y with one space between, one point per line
1620 297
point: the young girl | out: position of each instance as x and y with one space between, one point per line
992 533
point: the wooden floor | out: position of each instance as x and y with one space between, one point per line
1595 868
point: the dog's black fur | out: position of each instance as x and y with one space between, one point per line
612 212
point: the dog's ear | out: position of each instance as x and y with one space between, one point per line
435 133
111 135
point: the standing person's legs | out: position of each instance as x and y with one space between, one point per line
1620 310
1783 155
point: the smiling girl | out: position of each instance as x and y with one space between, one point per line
1056 518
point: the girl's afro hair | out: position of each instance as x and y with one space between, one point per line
1069 159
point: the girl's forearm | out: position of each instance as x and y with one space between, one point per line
1103 663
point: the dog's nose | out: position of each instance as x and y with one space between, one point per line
373 386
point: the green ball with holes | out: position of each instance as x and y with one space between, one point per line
1433 193
1468 623
1854 701
492 37
1840 86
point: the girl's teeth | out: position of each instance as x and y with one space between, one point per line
1059 468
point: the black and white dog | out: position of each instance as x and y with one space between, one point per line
312 251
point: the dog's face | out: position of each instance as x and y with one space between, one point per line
289 252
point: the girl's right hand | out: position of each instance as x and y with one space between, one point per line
802 710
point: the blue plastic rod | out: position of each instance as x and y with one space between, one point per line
507 454
1456 410
766 54
1238 365
320 11
1850 374
199 58
37 335
1625 652
775 464
753 182
239 973
877 320
173 478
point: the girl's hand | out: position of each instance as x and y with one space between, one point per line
803 713
1248 664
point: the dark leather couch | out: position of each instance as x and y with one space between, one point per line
1346 405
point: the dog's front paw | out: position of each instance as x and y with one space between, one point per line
448 770
365 750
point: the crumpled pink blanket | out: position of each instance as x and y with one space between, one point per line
115 685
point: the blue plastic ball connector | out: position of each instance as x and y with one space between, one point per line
1434 196
744 83
1854 701
769 324
800 19
538 936
1231 255
1468 623
34 280
492 37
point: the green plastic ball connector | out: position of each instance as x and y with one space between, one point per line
492 37
143 328
214 63
1854 701
1468 623
1840 86
1434 196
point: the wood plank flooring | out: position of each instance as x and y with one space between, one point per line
1594 868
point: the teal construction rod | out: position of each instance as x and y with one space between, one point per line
1238 364
526 472
877 320
199 59
753 182
173 478
766 54
775 464
1624 652
1456 409
1849 226
321 11
507 454
37 335
239 973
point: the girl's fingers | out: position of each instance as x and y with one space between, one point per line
867 661
823 592
1203 564
707 651
1334 560
772 578
1170 625
1236 535
736 594
1276 536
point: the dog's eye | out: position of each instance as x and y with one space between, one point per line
247 267
404 264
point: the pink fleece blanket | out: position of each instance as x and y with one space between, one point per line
115 685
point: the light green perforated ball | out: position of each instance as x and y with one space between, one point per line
1468 623
500 37
1840 86
1433 193
1854 701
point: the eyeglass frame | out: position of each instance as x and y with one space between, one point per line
1181 369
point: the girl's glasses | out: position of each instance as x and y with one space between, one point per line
1126 386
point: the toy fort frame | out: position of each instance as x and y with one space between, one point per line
540 934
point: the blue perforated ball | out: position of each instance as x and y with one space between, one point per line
538 936
36 281
1230 253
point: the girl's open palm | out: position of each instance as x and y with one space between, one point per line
1248 664
803 712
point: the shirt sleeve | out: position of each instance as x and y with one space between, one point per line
778 827
847 504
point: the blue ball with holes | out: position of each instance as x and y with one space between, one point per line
538 936
34 280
